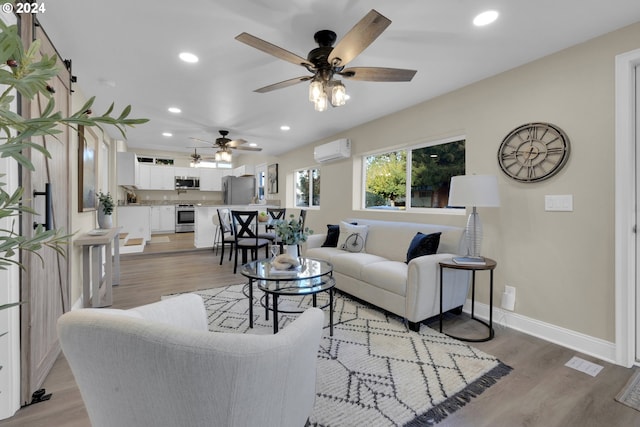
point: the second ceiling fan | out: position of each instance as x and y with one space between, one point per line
326 61
225 145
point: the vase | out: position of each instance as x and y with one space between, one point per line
292 250
104 221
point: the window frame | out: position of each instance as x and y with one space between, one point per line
408 149
310 170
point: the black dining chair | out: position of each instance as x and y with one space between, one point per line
302 219
226 232
273 214
246 239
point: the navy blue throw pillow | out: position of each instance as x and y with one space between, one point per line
333 233
423 244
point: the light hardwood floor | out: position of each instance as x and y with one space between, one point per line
540 392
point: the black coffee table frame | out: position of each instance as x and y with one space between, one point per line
315 276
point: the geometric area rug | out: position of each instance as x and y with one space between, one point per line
374 371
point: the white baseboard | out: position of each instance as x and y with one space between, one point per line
596 347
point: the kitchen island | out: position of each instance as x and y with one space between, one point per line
207 221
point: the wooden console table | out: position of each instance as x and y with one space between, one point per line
97 288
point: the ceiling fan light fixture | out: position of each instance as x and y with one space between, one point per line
338 94
322 103
223 156
316 88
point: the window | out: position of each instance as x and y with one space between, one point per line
261 179
422 172
307 191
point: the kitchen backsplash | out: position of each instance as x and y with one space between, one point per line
158 197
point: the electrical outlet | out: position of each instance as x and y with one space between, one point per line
509 298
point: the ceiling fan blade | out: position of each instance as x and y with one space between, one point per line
242 147
283 84
202 140
272 49
235 143
377 74
358 38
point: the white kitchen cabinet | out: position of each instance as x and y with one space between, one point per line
211 179
162 178
190 172
135 220
244 170
163 219
128 169
145 176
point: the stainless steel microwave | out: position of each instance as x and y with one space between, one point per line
187 183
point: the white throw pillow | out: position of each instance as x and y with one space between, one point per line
352 237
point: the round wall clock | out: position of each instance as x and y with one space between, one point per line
533 152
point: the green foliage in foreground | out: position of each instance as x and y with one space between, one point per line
25 72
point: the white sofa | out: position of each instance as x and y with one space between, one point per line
380 276
158 365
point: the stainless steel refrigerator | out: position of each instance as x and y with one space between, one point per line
238 190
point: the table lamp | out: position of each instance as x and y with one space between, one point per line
475 191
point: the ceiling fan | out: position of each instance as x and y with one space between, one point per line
225 145
326 61
196 157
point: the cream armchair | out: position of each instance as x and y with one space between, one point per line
158 365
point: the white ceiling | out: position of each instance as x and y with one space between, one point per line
126 52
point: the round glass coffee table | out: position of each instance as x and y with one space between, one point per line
312 277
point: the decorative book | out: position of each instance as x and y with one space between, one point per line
469 260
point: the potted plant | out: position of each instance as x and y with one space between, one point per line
291 232
105 209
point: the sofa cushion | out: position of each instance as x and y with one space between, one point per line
353 264
391 239
323 253
423 244
388 275
352 237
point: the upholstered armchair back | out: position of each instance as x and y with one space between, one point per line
157 365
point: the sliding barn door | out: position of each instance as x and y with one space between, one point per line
44 283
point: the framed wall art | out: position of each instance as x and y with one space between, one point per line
272 177
87 169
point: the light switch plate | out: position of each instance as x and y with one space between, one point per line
558 203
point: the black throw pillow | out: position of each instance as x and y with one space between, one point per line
333 233
423 244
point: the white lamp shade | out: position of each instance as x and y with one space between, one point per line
474 190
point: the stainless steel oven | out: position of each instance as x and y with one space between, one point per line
185 218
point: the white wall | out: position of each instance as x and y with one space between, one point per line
81 222
10 318
561 263
9 293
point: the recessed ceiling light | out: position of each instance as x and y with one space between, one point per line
285 127
188 57
253 144
167 134
175 110
485 18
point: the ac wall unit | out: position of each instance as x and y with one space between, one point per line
334 150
